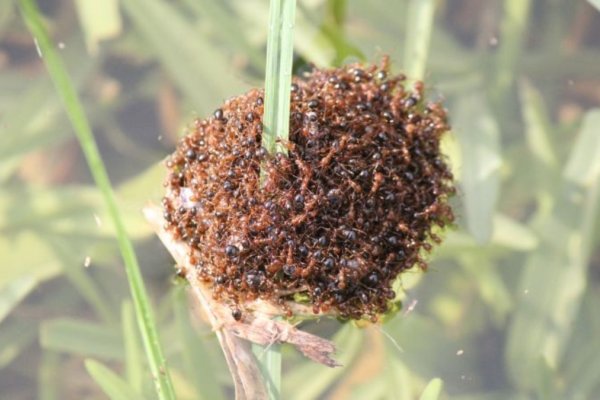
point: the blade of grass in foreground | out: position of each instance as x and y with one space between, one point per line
82 128
278 77
418 33
276 121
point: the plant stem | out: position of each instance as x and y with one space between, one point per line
278 77
513 34
276 121
72 104
418 34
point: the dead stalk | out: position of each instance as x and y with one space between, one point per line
256 325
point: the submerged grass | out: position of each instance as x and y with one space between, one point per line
65 89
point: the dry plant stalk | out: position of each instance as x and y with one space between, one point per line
256 325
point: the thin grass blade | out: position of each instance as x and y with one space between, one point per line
584 166
67 335
192 61
432 390
197 362
398 382
311 381
512 29
418 35
48 376
227 27
76 114
114 387
479 137
269 362
15 291
276 120
134 365
81 280
334 28
278 78
544 319
538 126
15 336
100 20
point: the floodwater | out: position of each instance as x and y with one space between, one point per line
508 306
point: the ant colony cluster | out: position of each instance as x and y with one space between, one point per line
354 202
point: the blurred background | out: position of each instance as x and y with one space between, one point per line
509 305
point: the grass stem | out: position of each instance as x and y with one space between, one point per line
278 77
74 109
276 121
418 35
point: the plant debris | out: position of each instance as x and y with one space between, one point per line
354 202
258 326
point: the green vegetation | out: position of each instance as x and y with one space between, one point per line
278 76
508 308
72 104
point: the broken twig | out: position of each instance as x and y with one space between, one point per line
256 325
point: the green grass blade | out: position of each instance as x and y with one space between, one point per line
269 360
197 361
134 366
82 281
49 376
15 337
418 35
584 166
80 337
537 126
311 380
398 383
432 390
114 387
40 264
12 293
492 288
479 137
278 78
583 366
192 61
334 28
85 136
544 319
276 120
227 26
513 33
24 128
100 20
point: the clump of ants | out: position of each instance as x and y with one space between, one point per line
354 201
